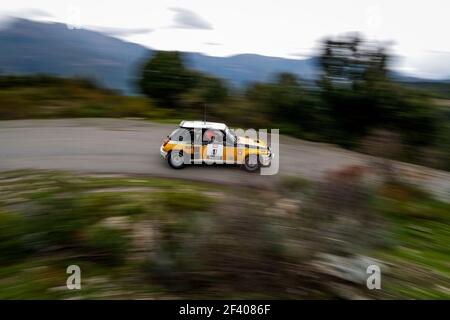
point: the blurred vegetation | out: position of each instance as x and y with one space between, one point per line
420 234
140 237
165 77
435 89
25 97
107 243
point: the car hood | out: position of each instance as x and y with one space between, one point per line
251 142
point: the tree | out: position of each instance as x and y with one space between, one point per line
164 78
352 71
284 101
208 92
280 99
360 95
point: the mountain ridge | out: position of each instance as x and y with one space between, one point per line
31 47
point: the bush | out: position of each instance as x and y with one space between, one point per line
109 244
185 201
177 256
11 236
343 213
14 104
295 184
225 254
237 249
57 220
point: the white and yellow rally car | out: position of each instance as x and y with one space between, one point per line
212 142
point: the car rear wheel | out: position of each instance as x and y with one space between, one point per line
176 159
251 164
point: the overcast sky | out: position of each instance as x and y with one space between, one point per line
284 28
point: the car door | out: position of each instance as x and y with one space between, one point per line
213 146
230 151
197 145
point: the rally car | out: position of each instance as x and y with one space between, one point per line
212 142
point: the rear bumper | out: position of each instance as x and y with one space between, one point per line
163 153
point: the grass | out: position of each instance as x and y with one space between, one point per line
49 220
295 184
420 229
67 98
133 236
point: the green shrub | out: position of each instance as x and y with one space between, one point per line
107 243
177 254
14 104
11 235
185 201
225 252
130 209
294 183
57 219
92 111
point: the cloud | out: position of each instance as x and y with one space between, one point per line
300 54
303 53
36 13
120 32
31 13
212 43
186 19
9 16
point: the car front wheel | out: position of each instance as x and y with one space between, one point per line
251 164
176 159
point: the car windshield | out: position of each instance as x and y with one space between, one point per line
230 134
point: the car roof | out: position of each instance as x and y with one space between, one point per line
203 125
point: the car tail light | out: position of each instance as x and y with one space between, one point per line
165 141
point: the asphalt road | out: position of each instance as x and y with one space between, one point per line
132 146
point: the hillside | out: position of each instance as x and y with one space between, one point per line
30 47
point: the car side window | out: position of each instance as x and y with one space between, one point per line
213 136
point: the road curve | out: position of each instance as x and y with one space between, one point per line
132 146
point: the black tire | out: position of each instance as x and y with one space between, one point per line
174 160
251 167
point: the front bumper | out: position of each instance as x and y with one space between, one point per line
266 160
163 153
